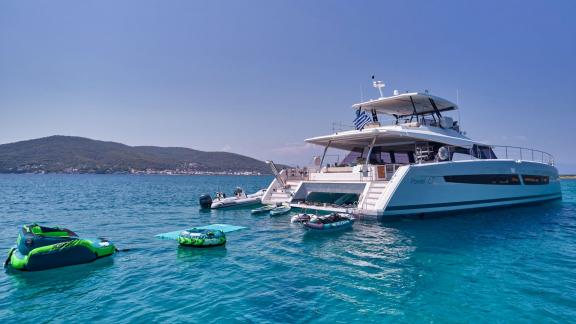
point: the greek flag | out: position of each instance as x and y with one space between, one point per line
361 119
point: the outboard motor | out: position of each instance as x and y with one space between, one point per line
205 201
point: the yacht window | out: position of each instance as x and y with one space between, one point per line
460 157
385 157
494 179
352 157
401 158
379 157
482 152
478 152
535 179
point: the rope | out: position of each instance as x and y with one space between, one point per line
9 256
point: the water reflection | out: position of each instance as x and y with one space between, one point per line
323 236
64 278
191 254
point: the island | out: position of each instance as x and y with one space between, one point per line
71 154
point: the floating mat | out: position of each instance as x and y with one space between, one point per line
223 227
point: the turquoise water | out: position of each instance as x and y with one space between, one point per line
501 265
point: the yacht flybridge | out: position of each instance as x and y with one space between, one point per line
419 163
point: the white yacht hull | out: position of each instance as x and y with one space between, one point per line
424 188
435 188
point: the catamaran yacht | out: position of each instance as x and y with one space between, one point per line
419 163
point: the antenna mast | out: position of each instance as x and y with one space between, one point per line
378 85
458 104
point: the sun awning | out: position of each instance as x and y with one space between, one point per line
407 104
387 137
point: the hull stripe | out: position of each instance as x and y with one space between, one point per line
472 202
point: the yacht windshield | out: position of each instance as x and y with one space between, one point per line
405 154
378 156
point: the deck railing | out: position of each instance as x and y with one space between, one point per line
506 152
297 174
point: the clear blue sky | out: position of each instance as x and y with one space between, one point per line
258 77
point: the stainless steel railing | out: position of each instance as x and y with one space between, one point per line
507 152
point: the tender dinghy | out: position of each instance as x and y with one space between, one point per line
280 210
334 221
239 199
263 209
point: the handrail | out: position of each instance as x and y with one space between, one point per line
523 148
276 172
540 156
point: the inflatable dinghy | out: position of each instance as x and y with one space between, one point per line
280 210
263 209
238 199
334 221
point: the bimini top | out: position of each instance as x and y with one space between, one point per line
407 104
392 136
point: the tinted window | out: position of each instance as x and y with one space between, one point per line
535 179
494 179
482 152
385 157
352 157
401 158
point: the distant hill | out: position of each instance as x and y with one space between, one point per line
69 154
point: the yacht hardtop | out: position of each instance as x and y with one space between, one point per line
420 162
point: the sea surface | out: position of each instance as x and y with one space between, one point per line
507 265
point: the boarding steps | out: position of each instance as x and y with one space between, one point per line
279 197
291 184
374 193
283 195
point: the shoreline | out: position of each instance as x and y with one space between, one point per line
141 174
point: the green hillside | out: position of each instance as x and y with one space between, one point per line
82 155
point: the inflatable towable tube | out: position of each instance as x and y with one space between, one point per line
197 237
41 248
